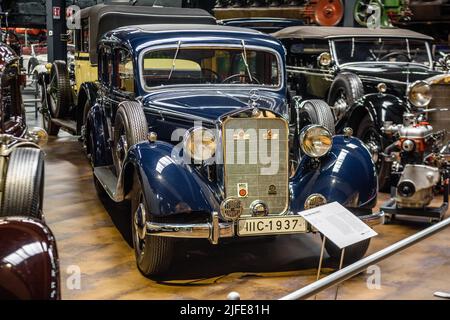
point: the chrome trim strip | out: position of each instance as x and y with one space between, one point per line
301 70
161 112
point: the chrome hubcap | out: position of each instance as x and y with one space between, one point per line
121 149
340 106
140 217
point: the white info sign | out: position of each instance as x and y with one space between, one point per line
338 224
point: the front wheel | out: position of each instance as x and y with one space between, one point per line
153 254
368 133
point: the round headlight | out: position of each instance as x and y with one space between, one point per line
316 141
200 144
419 94
324 60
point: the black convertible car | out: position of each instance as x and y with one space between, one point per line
369 77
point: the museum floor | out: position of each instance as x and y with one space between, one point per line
92 236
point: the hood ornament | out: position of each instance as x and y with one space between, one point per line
254 98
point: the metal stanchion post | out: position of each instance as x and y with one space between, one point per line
341 263
322 252
35 102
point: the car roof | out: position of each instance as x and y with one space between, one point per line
316 32
99 10
159 28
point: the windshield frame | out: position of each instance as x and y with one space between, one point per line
184 45
335 56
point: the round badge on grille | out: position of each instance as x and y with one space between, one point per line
259 209
231 209
315 200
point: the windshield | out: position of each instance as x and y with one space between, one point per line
205 65
382 50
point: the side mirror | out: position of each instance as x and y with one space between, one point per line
39 136
324 60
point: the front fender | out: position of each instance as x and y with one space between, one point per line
29 268
169 187
86 92
98 135
380 107
346 175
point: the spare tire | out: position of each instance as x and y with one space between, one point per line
24 184
59 90
130 128
345 90
316 112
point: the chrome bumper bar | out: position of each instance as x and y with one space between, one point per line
215 230
212 230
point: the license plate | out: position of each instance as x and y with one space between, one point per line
266 226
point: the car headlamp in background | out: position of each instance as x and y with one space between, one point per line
316 141
419 94
200 144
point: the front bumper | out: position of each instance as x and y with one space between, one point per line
215 229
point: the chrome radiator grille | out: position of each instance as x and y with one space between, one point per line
441 99
248 145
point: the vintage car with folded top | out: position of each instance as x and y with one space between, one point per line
192 126
367 76
28 255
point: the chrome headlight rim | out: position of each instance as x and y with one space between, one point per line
189 135
304 135
412 89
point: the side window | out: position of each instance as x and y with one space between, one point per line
84 35
125 81
105 68
305 53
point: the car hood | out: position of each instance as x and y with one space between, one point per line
405 73
211 104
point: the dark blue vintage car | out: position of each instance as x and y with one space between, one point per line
193 127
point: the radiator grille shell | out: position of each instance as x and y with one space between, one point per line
272 189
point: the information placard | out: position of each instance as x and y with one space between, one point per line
338 224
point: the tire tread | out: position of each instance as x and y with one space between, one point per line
23 183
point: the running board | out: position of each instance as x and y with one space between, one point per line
67 125
110 182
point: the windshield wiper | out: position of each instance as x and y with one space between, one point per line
174 60
244 57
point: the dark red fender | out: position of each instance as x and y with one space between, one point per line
29 266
